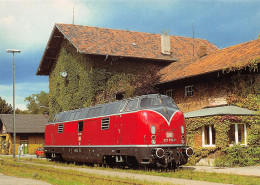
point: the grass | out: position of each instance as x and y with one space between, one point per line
182 173
59 176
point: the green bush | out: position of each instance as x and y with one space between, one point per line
199 153
254 135
238 155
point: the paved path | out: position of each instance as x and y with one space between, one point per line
248 170
10 180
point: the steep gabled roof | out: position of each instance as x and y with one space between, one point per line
24 123
232 57
122 43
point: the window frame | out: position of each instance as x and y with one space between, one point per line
189 91
237 136
24 138
210 137
169 93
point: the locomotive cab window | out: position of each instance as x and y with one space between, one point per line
148 102
80 126
169 102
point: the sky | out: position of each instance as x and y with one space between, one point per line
27 25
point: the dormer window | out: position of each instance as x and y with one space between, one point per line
189 91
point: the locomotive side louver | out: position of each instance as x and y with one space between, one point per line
105 124
60 128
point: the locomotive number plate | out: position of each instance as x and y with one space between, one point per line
169 134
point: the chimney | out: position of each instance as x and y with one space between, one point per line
202 51
165 44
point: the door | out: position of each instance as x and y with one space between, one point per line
118 128
52 134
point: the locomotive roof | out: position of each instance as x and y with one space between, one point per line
120 106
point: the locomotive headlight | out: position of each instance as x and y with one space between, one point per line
153 130
182 129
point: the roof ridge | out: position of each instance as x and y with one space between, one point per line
240 44
133 31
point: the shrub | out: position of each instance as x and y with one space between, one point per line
238 155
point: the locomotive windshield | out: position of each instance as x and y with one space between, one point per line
150 102
169 102
156 101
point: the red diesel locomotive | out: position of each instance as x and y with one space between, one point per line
148 130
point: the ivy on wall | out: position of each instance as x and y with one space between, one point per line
222 126
244 92
94 80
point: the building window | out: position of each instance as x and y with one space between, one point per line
189 90
208 136
237 134
23 137
169 93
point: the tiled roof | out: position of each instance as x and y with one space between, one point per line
24 123
231 57
222 110
112 42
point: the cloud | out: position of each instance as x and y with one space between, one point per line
22 90
7 20
27 24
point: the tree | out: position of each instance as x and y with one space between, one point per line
38 103
5 108
18 111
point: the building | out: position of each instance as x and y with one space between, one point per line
29 132
212 77
213 81
90 65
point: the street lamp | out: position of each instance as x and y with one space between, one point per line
14 51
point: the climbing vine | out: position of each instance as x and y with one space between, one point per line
251 66
244 89
94 80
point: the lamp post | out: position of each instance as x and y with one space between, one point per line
13 51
